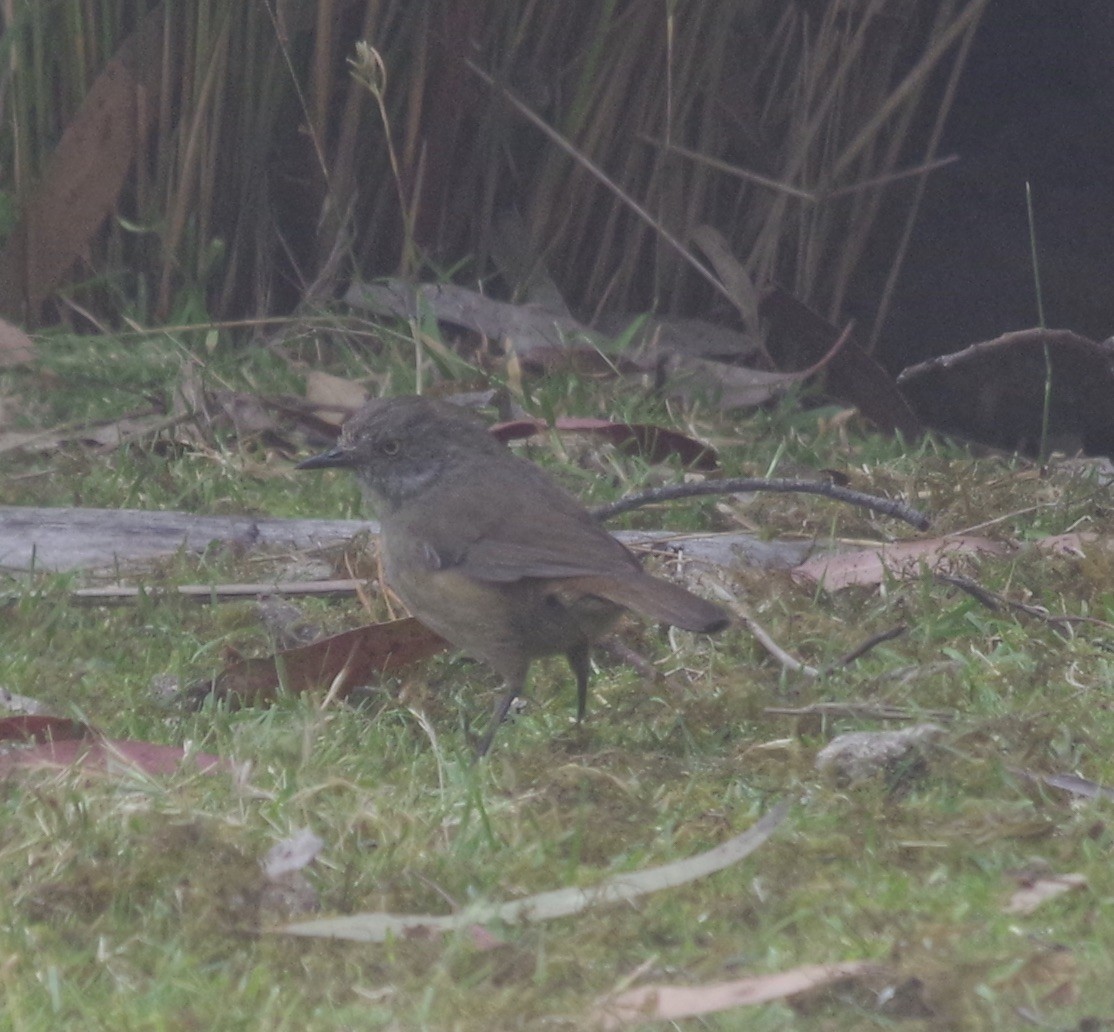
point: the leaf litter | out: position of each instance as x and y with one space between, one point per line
1068 546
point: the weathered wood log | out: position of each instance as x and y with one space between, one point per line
72 539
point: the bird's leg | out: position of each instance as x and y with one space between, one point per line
579 657
513 689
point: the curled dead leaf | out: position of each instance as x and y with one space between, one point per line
674 1002
338 663
903 559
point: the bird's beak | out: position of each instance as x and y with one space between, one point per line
334 457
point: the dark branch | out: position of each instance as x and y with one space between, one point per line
739 485
870 643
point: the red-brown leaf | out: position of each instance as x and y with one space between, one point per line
29 727
105 755
349 660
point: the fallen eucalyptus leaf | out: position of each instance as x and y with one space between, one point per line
379 926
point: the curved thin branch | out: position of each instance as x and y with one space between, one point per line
739 485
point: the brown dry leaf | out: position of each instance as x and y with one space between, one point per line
672 1003
200 410
1051 975
1073 784
995 391
739 387
249 414
853 375
62 743
104 435
733 387
528 327
655 443
42 728
338 664
542 338
16 348
97 754
334 399
1038 890
1070 544
85 172
904 559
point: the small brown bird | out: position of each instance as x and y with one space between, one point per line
488 551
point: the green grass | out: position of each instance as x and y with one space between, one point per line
137 902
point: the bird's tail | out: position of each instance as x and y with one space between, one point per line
659 600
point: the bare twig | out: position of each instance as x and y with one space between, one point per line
988 598
763 637
859 710
739 485
623 653
870 643
995 602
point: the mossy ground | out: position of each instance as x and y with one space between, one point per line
136 902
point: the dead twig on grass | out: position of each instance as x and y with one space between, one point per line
740 485
859 711
996 603
764 638
870 643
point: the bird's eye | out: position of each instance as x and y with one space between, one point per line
389 446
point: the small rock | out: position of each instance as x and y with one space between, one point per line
898 756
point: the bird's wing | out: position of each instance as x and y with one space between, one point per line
555 548
533 529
